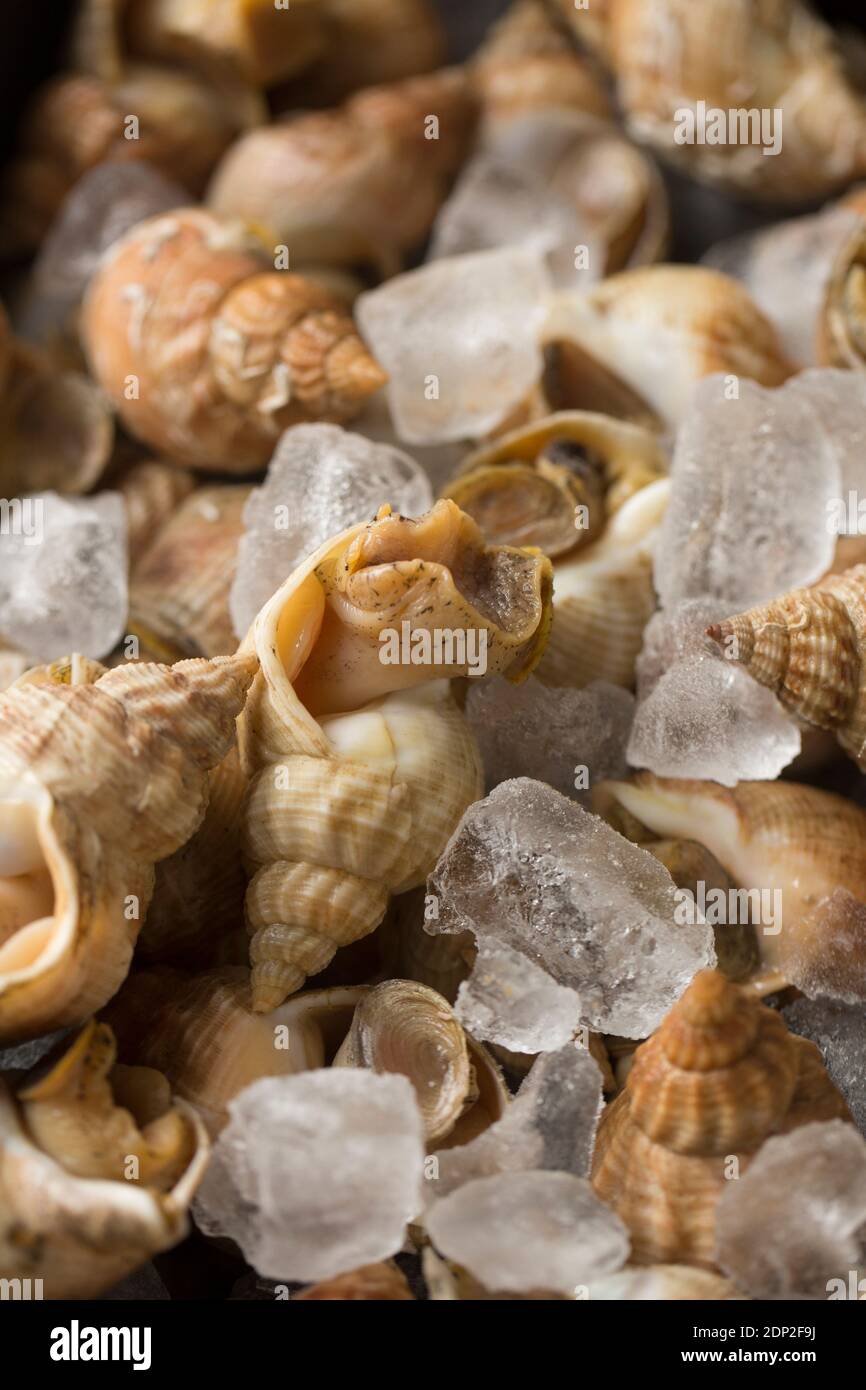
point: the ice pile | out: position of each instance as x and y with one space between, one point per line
755 484
839 1030
699 715
63 569
321 480
571 739
317 1173
521 1232
459 340
794 1225
550 1125
531 870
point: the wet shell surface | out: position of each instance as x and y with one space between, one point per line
768 837
207 354
360 768
718 1077
635 344
98 781
809 648
98 1167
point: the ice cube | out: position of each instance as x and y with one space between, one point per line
750 482
510 1001
460 341
550 1124
522 1232
528 868
785 268
839 1030
838 399
794 1225
571 739
699 714
63 568
836 970
316 1173
321 480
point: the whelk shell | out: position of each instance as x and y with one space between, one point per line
766 836
718 1077
384 1283
206 354
635 344
98 781
75 1212
360 769
808 647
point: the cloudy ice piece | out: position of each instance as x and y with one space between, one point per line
750 483
786 268
837 969
571 739
698 713
459 339
522 189
530 869
321 480
839 1030
838 399
521 1232
510 1001
63 567
795 1222
316 1174
550 1125
102 207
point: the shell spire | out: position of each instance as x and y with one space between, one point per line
719 1076
98 781
809 648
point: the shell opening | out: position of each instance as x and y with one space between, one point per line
27 897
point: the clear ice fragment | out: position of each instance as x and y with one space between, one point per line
571 739
317 1173
510 1001
794 1225
535 1231
530 869
63 571
699 714
321 480
459 340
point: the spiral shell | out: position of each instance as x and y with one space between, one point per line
842 321
718 1077
358 779
635 344
207 355
808 647
152 491
775 838
97 1170
357 185
98 781
179 588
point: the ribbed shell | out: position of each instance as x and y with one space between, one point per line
719 1076
208 355
115 776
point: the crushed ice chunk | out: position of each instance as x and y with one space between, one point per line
528 868
550 1125
321 480
794 1225
510 1001
63 570
750 482
521 1232
699 714
571 739
839 1030
837 397
836 970
459 339
317 1173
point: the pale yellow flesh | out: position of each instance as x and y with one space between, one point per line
26 888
